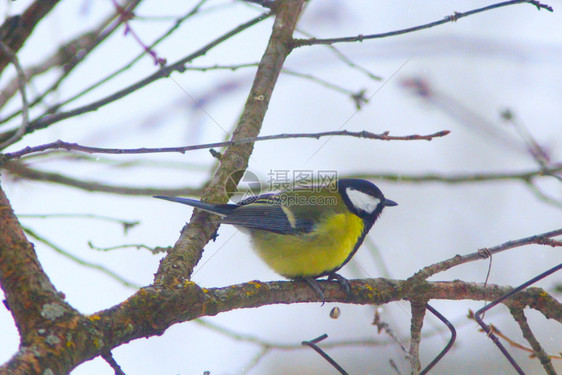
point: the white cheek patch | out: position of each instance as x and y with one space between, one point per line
362 201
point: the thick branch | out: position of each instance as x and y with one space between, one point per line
154 309
29 293
188 249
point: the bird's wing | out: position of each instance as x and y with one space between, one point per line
267 213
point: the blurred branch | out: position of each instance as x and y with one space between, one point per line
80 261
153 250
542 196
127 66
125 16
484 253
15 30
267 344
67 56
23 171
48 156
453 18
179 66
539 153
358 97
145 150
384 326
346 60
233 67
25 104
125 223
460 178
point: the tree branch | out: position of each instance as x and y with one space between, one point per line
15 30
418 313
49 119
187 252
453 18
68 57
484 253
25 104
545 360
21 170
460 178
30 296
61 145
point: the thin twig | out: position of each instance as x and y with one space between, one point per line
346 60
125 16
358 97
126 224
539 239
383 326
452 18
25 104
539 153
509 340
255 360
145 150
153 250
542 196
232 67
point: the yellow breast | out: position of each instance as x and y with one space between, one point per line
311 254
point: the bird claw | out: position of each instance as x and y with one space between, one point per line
315 285
345 284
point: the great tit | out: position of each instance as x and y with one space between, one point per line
305 233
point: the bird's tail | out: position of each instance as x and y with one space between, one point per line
217 209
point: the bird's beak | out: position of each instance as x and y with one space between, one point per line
389 203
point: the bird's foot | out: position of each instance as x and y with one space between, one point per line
345 284
315 285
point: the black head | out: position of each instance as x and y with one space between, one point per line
363 198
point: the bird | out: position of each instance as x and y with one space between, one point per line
305 233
